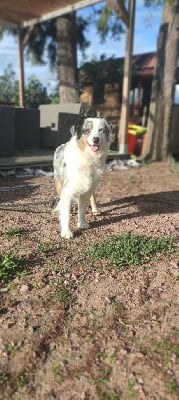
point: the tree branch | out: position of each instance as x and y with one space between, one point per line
121 10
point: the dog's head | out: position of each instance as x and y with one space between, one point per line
94 131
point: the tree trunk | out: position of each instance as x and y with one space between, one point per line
66 37
159 129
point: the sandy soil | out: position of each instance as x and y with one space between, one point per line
73 328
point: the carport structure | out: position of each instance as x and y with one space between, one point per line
25 13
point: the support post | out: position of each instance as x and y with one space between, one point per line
123 126
21 68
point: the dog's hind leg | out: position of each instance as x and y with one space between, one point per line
82 204
58 185
94 208
57 180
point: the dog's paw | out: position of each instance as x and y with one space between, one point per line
83 225
96 212
66 234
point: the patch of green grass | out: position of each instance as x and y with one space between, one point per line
17 231
134 180
165 347
79 373
3 377
64 293
112 395
101 381
10 266
10 349
132 392
131 249
21 381
176 278
46 247
172 386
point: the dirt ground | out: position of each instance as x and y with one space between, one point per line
72 328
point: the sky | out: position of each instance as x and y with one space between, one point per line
147 23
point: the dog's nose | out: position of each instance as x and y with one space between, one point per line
96 140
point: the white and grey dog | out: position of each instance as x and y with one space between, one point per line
78 166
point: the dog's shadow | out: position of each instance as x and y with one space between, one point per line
146 204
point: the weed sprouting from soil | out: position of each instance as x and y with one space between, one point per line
46 247
3 377
17 231
10 266
131 249
64 293
132 392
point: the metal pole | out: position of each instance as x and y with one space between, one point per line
21 68
123 128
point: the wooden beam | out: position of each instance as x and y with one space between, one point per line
61 11
123 126
21 68
4 22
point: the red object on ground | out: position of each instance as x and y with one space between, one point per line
132 140
134 131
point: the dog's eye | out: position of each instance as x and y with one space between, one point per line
86 131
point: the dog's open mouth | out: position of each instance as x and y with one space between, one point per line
94 147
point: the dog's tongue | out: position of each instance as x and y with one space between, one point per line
95 147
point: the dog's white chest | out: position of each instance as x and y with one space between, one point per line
82 173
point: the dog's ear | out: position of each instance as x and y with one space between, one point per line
109 130
110 127
77 128
72 130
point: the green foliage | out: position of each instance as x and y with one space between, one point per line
166 346
3 377
54 96
9 86
132 392
17 231
46 247
64 294
112 395
22 380
103 70
35 93
98 73
10 266
42 41
109 23
131 249
82 26
172 385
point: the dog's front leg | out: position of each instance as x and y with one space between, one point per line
94 208
65 210
82 204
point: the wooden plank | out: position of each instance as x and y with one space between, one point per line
4 22
61 11
21 68
123 126
25 13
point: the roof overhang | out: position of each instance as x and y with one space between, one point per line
23 13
